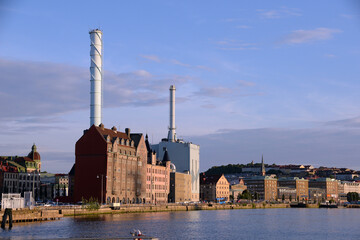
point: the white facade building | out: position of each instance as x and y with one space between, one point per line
185 155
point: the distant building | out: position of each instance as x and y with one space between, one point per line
317 194
345 187
157 177
263 186
329 185
237 189
300 185
346 176
287 194
20 174
110 166
214 188
180 186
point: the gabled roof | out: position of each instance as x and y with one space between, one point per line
212 179
136 137
111 133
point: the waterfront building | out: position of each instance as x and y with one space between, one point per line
329 185
110 166
265 187
317 194
237 189
214 188
180 186
185 155
287 193
344 187
157 177
21 173
300 185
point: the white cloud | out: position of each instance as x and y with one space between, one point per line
37 89
330 55
279 13
246 83
234 45
243 26
347 123
153 58
304 36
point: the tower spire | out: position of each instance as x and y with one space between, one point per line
263 172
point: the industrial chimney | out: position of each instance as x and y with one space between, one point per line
96 77
172 133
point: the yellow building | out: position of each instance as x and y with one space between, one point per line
214 188
180 187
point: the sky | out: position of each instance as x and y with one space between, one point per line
273 78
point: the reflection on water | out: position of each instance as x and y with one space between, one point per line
224 224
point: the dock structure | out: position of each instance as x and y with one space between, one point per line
23 215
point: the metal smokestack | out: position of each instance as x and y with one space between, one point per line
96 77
172 133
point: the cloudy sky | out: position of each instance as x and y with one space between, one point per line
279 78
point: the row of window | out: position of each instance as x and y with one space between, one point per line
157 171
25 184
156 187
21 177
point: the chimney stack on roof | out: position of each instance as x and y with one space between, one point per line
127 131
172 128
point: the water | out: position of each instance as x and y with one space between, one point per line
222 224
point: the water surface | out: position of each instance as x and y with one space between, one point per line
221 224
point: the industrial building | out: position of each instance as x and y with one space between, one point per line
185 155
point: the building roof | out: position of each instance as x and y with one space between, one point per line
113 134
166 157
136 137
34 155
211 179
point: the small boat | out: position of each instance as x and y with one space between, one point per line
298 205
136 233
328 205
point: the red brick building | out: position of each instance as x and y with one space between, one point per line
110 166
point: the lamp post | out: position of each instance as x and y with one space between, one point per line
102 176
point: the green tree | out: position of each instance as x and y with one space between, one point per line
246 195
352 197
239 196
231 197
256 196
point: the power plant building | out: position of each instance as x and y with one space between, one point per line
185 155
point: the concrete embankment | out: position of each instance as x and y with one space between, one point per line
167 208
25 215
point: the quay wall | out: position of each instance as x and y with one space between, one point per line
167 208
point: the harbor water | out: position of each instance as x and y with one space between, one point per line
221 224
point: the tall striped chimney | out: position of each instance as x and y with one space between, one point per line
96 77
172 132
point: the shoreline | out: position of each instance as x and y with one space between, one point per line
53 213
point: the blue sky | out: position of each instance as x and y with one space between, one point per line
279 78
